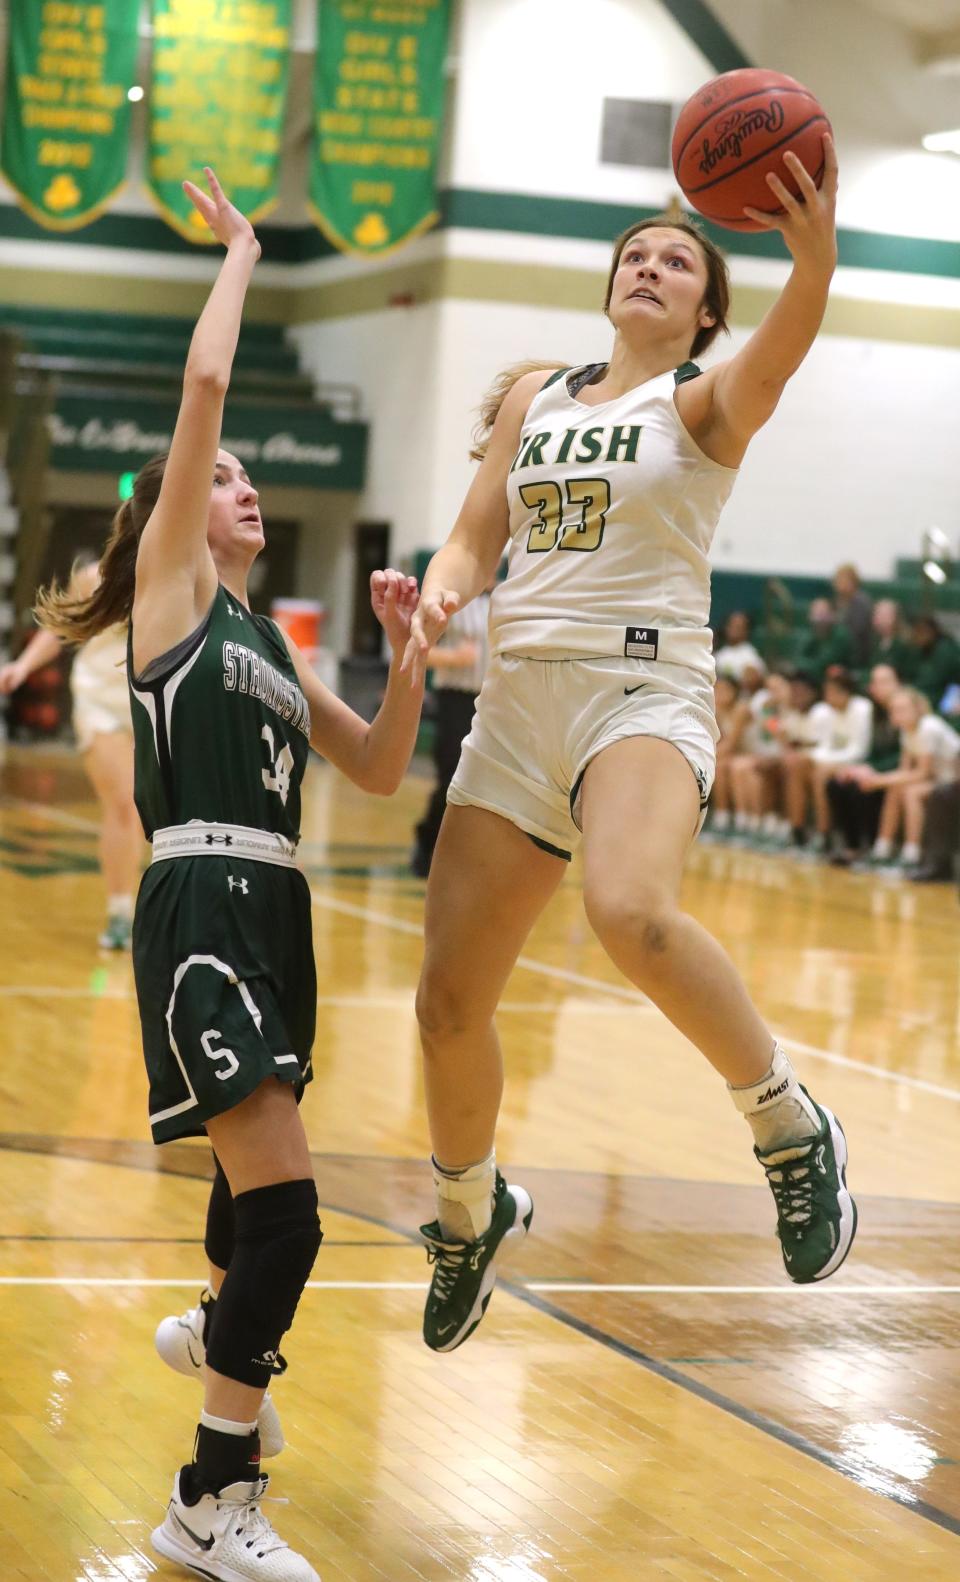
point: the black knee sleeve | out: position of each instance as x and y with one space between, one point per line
277 1239
218 1242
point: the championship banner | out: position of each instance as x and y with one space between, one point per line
67 116
219 88
378 115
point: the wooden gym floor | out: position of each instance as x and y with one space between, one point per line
649 1397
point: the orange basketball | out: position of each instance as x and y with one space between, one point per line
733 131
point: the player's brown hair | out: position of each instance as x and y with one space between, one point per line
75 620
495 397
717 295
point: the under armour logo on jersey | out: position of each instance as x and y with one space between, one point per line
232 611
219 840
237 884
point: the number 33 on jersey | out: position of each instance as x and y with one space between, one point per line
613 507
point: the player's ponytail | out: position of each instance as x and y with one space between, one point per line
495 397
77 619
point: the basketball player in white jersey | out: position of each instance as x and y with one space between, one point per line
104 734
596 723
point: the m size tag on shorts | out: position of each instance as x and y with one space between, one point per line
642 642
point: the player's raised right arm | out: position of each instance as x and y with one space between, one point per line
176 578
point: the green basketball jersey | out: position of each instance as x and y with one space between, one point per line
221 728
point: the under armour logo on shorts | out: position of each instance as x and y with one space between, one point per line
237 884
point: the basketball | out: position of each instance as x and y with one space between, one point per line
736 129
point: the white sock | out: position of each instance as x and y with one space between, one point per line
910 851
465 1197
882 848
771 824
120 906
740 821
224 1425
721 819
780 1115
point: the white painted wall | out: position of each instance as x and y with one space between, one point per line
533 74
531 81
880 100
859 459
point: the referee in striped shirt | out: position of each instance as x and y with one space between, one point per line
458 662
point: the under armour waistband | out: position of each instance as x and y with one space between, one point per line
198 839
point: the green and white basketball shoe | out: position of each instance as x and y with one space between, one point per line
465 1272
816 1216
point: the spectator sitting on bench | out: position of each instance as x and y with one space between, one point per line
841 726
929 752
733 718
736 652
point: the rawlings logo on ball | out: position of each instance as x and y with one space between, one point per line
735 129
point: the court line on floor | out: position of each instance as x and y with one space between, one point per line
734 1408
684 1381
561 974
336 1001
640 1002
535 1287
57 815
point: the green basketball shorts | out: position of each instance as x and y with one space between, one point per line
226 984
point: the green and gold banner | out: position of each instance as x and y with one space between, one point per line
219 87
67 116
378 116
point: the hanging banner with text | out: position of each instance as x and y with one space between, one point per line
67 116
378 116
219 88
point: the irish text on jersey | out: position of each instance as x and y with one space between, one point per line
616 443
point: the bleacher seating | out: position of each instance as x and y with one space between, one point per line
114 349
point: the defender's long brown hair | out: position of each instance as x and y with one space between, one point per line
717 295
495 397
76 619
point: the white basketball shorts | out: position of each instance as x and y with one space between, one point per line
541 722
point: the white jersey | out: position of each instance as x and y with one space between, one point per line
98 682
613 509
99 673
933 738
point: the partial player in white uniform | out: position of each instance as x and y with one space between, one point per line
101 725
596 724
929 752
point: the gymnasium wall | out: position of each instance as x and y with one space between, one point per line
861 457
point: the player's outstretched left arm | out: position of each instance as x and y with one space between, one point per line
744 391
374 756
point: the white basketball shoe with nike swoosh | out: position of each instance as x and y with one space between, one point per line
227 1537
181 1344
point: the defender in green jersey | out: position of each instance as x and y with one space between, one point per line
225 709
222 948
